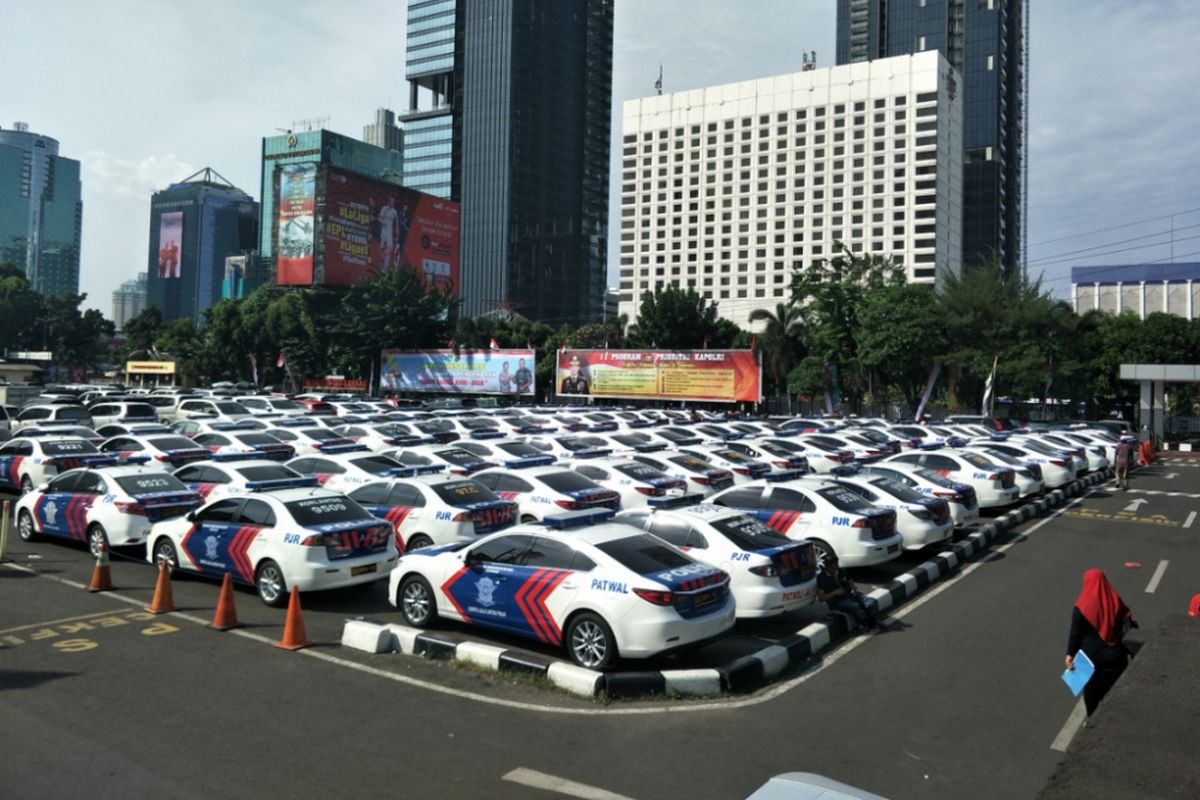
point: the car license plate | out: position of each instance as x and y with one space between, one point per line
704 599
363 570
674 493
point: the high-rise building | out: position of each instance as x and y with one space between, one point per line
985 41
41 213
316 147
194 225
383 132
728 190
129 300
244 273
509 114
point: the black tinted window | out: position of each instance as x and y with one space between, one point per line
257 512
670 530
791 500
546 553
644 554
64 483
324 510
145 484
373 494
457 493
745 497
221 511
172 443
405 494
748 533
375 464
501 550
567 481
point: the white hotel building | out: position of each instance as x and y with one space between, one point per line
729 189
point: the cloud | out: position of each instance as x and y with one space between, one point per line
106 175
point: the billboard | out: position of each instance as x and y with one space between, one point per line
170 244
722 376
294 224
368 226
465 372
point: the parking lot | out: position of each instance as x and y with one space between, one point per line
960 698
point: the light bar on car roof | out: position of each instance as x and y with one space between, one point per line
675 502
783 475
845 471
281 483
236 457
231 426
529 461
578 519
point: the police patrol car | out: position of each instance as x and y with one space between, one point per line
635 482
543 491
994 485
113 506
346 471
702 476
769 573
743 467
435 509
779 457
832 517
964 508
451 457
381 436
314 441
511 453
568 446
601 592
313 539
28 462
225 476
258 443
165 449
922 520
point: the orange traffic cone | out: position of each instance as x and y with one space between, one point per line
163 601
226 616
294 637
101 576
1194 608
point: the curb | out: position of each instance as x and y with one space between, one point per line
1181 447
742 675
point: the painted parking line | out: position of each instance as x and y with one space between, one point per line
1163 493
550 783
1157 576
1070 727
1191 517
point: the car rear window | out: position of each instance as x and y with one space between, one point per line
643 472
644 554
844 499
567 481
435 426
458 456
324 510
976 460
457 493
68 447
631 440
733 456
172 443
933 477
520 449
264 473
375 465
257 438
231 408
898 490
582 442
142 484
676 436
478 423
691 463
748 533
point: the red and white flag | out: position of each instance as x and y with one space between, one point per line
494 345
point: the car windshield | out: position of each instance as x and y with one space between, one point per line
326 510
477 423
691 463
172 443
375 465
64 447
567 481
644 554
631 439
844 499
73 413
264 473
676 436
144 484
435 426
285 405
320 434
581 442
748 533
897 490
459 493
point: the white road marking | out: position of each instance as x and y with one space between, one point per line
1162 493
1070 727
549 783
1157 576
1171 475
1191 517
1135 504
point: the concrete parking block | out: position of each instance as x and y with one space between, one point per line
693 681
370 637
774 659
484 655
633 684
404 639
576 680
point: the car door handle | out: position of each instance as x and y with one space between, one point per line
568 585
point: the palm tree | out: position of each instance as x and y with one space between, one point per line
781 337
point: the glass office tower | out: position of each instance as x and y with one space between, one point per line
509 115
41 213
985 41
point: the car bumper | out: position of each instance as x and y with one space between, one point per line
866 554
996 498
963 515
919 533
770 599
316 576
649 635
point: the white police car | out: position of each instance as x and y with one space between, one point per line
743 467
769 573
313 441
448 457
313 539
545 491
224 476
822 459
601 592
964 507
635 482
702 476
922 520
347 471
165 449
511 453
113 506
258 443
567 446
436 509
26 463
779 457
995 485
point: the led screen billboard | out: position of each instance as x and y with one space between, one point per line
465 372
170 244
294 224
723 376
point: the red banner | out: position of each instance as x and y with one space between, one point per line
294 224
723 376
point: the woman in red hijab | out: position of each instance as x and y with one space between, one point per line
1098 625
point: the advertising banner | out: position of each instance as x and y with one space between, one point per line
170 244
151 367
294 224
467 372
370 226
723 376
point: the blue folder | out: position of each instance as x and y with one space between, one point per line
1077 678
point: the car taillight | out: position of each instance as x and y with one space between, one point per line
316 540
768 571
742 470
462 516
161 457
703 481
655 596
130 507
995 476
834 457
652 491
569 505
1058 462
861 522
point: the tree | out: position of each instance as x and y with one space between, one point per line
782 342
141 331
679 319
901 332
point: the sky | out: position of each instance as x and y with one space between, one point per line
146 92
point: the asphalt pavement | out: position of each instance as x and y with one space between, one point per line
962 698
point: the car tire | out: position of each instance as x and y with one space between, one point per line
95 536
416 602
25 527
164 550
26 485
590 642
416 542
270 583
823 551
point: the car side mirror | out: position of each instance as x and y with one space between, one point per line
41 487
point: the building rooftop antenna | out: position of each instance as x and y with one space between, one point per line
658 83
310 124
809 61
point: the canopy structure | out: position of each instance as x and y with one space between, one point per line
1152 412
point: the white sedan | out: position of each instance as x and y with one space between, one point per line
637 483
995 485
922 520
964 507
543 492
26 463
347 471
436 509
226 476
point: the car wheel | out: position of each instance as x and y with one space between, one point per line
272 588
164 550
25 527
97 536
26 485
823 550
416 542
416 602
527 519
590 641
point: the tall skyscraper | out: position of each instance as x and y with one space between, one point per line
41 213
985 41
509 114
129 300
194 225
764 177
383 132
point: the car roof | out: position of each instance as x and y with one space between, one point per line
591 534
290 495
531 472
118 471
